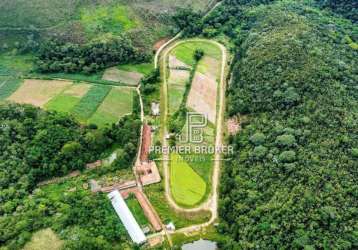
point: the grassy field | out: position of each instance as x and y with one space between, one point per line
8 86
187 187
107 19
118 103
137 211
90 102
44 239
185 51
143 68
156 196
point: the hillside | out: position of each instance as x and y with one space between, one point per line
23 23
292 183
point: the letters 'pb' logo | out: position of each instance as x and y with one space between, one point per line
195 123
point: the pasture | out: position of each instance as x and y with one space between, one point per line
8 86
187 187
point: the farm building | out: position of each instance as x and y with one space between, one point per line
155 109
127 218
146 143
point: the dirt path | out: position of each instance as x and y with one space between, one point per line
212 202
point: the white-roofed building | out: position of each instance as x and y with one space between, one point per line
127 218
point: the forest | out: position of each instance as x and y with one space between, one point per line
37 145
292 183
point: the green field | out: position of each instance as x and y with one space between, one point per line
143 68
118 103
8 86
187 187
62 103
157 198
185 51
105 19
137 211
90 102
175 96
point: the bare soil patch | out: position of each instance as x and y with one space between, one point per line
116 75
202 96
38 92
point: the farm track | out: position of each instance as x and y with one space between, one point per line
212 202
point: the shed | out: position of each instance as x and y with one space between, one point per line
127 218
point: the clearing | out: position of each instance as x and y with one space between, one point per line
44 239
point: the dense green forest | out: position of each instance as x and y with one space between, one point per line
56 56
293 181
37 145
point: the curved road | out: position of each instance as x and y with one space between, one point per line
212 202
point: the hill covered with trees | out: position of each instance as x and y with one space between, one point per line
292 183
37 145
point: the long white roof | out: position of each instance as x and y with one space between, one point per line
127 218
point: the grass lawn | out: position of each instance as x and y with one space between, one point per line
137 211
187 187
185 51
119 102
88 105
8 86
143 68
44 239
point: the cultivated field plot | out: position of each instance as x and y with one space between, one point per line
8 85
202 96
98 104
121 76
38 92
179 75
187 187
118 103
69 98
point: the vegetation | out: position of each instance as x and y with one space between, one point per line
47 144
90 102
57 56
8 86
156 195
118 103
291 182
